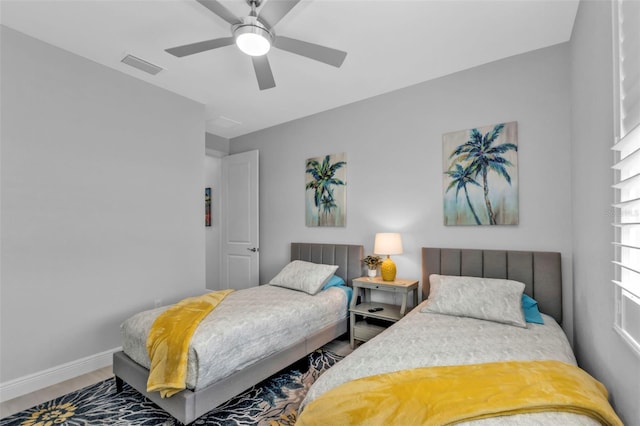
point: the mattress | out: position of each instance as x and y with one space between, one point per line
426 339
248 325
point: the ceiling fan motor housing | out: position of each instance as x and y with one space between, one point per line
252 37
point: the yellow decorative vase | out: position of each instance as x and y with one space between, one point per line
388 270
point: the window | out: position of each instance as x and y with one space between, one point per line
626 24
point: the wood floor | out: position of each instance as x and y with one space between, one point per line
15 405
7 408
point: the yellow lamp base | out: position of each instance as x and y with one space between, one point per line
388 270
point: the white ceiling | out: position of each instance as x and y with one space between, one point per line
390 43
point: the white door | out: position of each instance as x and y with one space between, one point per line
240 248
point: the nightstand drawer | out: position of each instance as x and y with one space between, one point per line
383 287
364 331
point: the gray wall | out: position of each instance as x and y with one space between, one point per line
598 348
394 154
101 203
217 143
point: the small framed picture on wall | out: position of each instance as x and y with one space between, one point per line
207 207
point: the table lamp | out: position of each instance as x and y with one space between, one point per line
388 243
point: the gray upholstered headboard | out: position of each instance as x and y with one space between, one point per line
348 257
541 272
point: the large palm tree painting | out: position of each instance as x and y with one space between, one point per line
481 175
326 197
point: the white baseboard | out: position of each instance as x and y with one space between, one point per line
33 382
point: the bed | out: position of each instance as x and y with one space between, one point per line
210 385
439 341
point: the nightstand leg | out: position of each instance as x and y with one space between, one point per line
354 298
403 308
352 324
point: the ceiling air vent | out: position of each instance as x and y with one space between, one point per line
142 65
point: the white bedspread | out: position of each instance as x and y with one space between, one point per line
425 339
247 326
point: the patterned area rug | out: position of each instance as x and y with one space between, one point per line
274 401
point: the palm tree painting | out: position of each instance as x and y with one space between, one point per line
481 175
326 196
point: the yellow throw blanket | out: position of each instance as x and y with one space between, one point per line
451 394
169 338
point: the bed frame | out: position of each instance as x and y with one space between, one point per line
541 272
188 405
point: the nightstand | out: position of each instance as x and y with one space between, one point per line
362 330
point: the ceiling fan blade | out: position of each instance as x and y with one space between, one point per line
310 50
274 10
263 72
220 10
201 46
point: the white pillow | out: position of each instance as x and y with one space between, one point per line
304 276
489 299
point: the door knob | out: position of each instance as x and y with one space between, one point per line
253 249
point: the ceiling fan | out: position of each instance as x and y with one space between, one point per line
254 36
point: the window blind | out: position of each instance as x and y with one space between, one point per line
629 64
626 167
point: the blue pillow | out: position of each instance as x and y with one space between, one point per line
336 281
530 308
333 281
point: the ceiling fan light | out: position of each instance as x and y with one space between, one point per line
253 44
253 40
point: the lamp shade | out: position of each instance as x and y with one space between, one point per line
387 243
